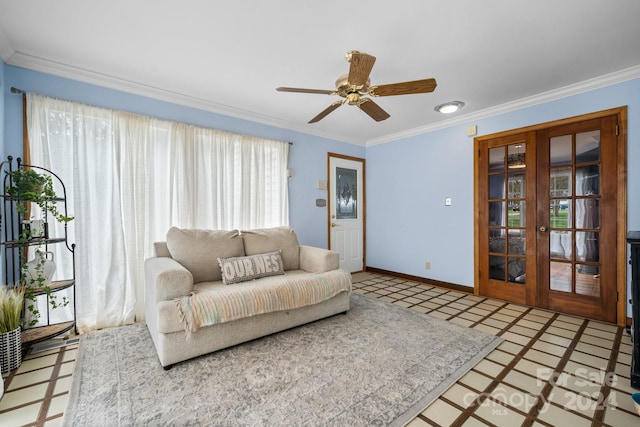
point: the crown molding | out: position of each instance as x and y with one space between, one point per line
61 70
6 51
541 98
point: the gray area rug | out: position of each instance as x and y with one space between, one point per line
380 364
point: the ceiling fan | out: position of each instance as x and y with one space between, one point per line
356 85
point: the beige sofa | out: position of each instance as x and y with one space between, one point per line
206 290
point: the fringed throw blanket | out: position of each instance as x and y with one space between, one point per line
267 295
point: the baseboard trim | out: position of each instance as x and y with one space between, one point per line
438 283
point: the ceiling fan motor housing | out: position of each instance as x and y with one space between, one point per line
343 87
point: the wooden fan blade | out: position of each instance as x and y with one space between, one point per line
405 88
301 90
373 110
326 112
361 65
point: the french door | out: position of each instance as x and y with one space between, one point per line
547 217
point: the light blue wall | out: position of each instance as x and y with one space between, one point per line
2 127
407 222
308 157
408 180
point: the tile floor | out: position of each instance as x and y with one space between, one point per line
36 393
551 370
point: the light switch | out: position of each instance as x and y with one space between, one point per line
321 185
447 201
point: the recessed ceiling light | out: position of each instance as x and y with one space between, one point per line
449 107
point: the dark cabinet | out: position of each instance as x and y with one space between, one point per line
633 238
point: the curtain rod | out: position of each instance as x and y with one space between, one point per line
22 92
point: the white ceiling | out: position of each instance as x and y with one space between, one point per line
228 57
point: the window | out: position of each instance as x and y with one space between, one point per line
130 178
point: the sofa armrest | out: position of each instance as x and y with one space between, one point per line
166 279
318 260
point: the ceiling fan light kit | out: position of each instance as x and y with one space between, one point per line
355 88
449 107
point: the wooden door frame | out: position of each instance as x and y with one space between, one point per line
364 202
621 243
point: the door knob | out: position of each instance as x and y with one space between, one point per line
543 228
333 224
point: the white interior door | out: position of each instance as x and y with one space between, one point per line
346 210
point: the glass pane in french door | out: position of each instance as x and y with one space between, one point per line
574 213
507 213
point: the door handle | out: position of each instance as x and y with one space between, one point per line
543 228
333 224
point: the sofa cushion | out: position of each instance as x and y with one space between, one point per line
260 241
242 269
198 250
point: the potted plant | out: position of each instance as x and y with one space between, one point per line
11 302
28 185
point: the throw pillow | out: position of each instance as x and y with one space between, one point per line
242 269
260 241
198 250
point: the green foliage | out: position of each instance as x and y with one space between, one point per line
559 218
10 308
27 184
31 186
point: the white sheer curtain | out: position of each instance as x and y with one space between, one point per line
129 178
